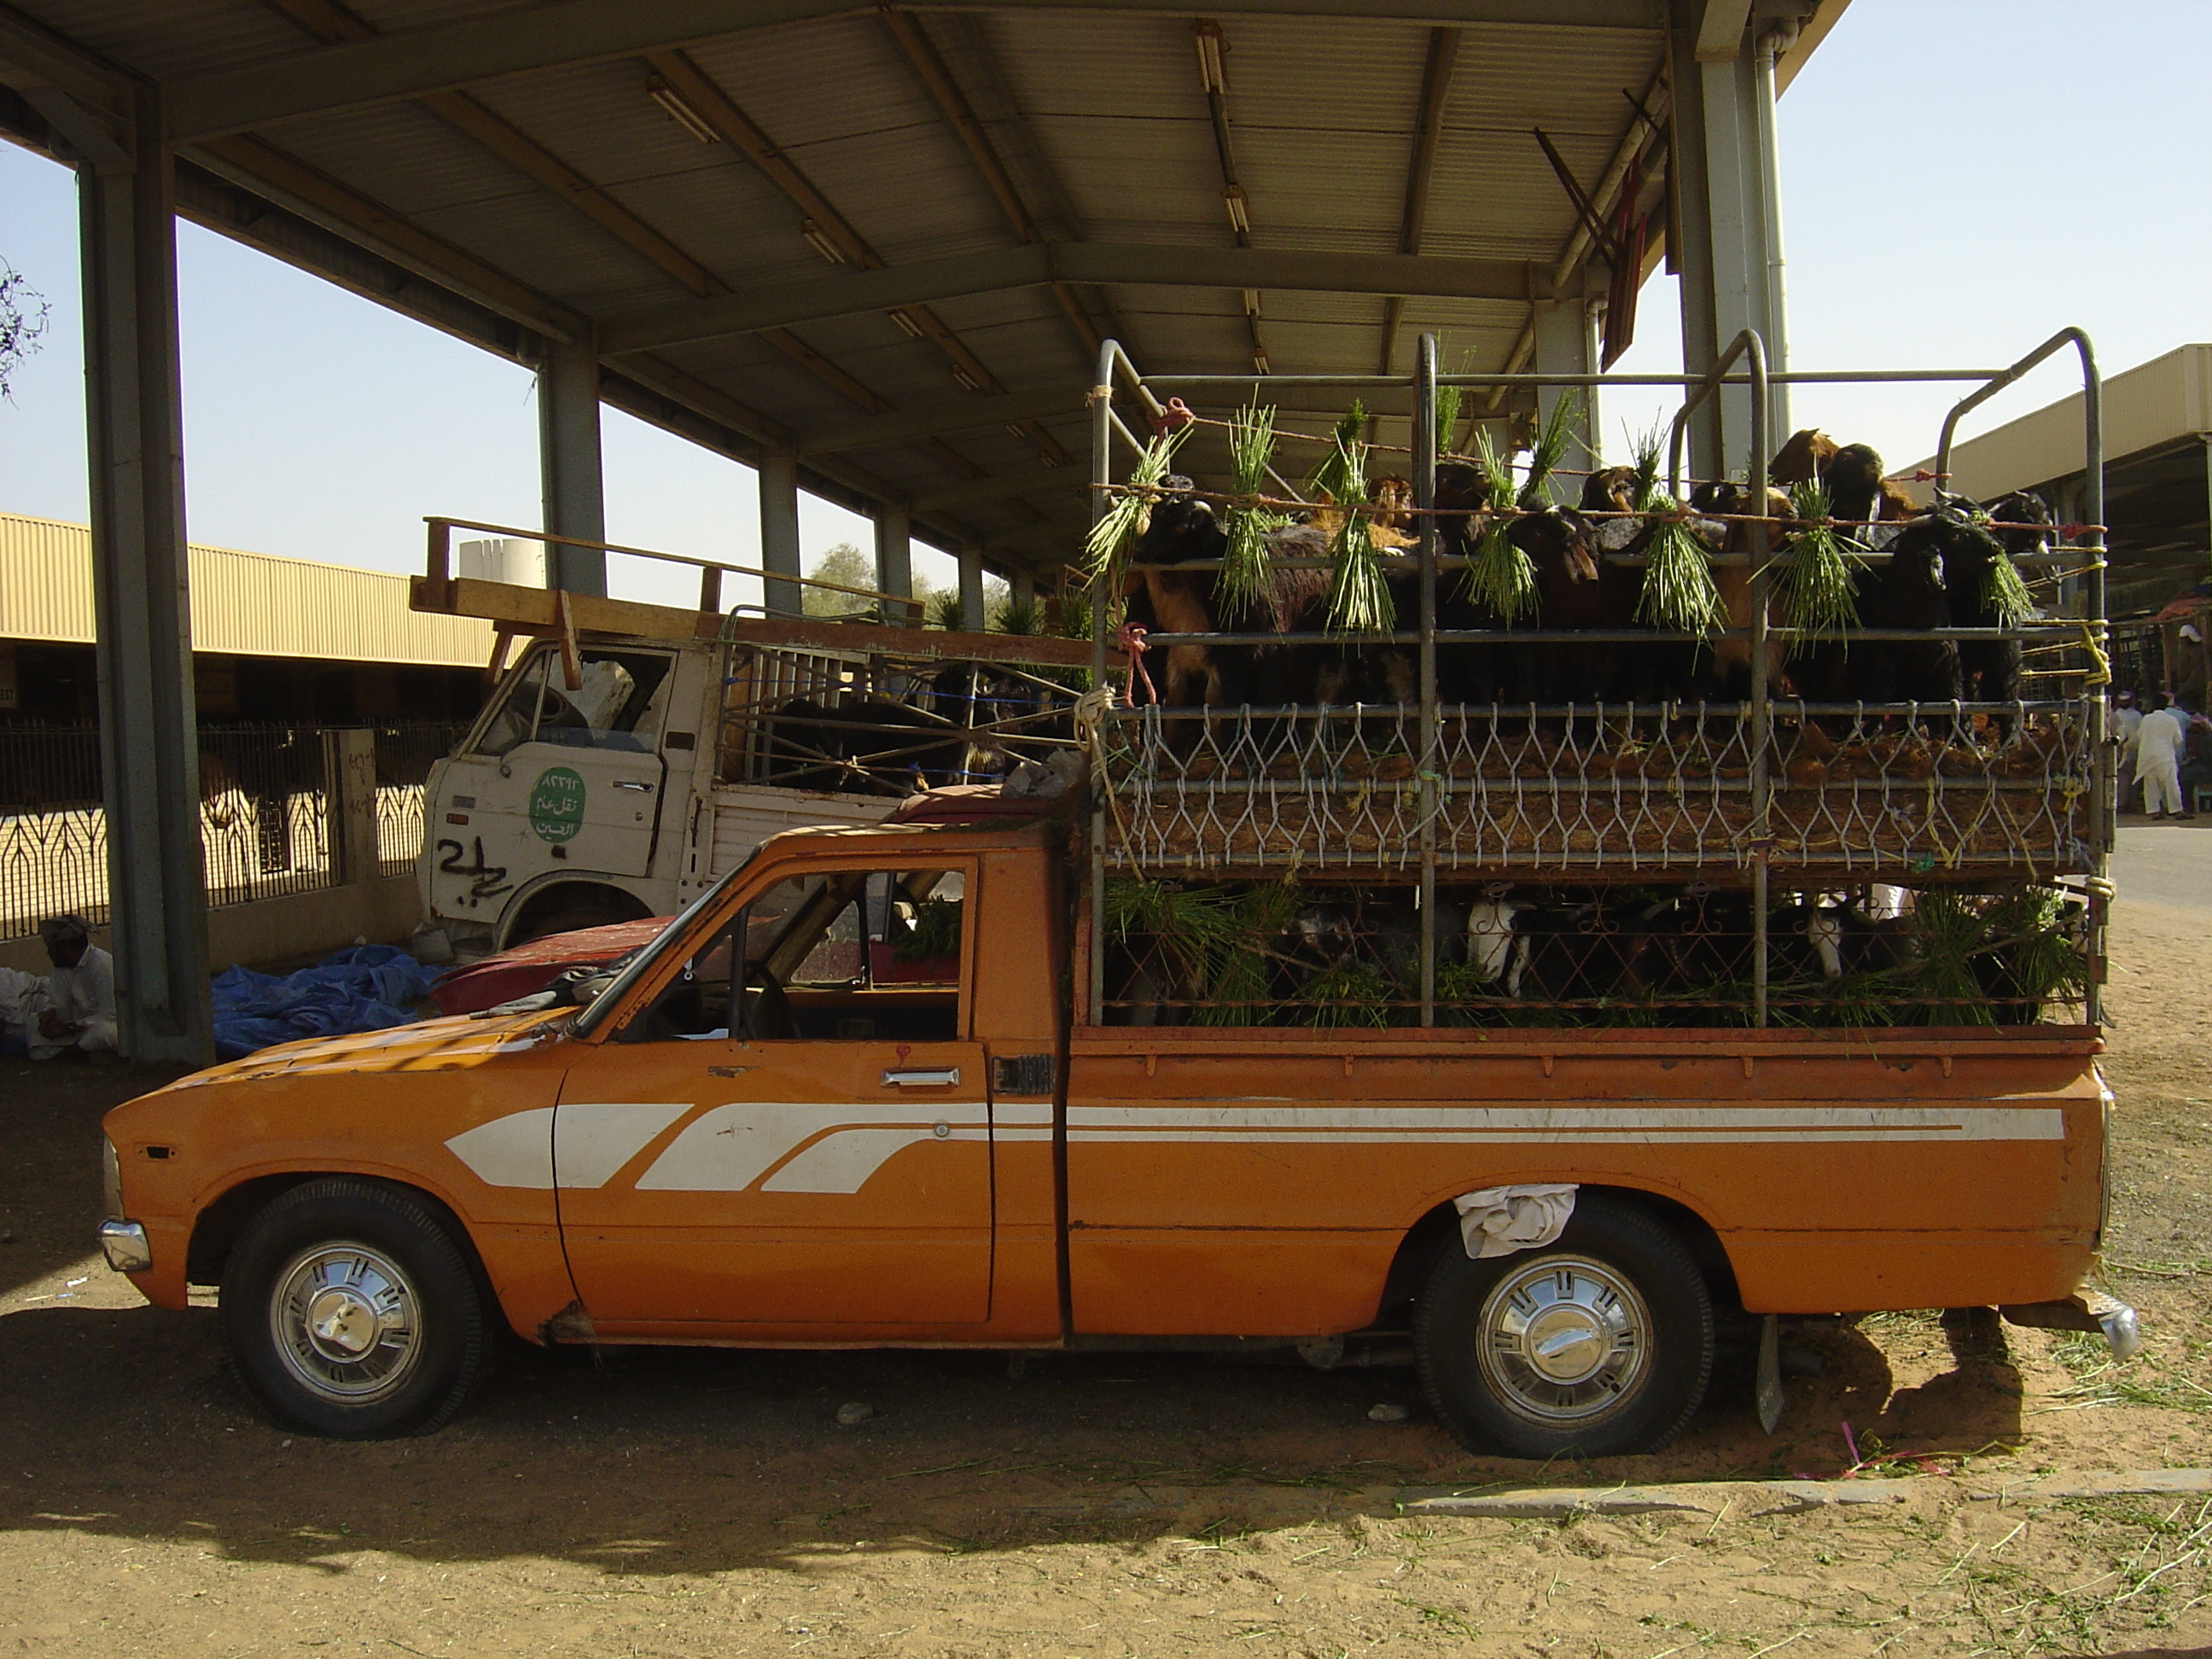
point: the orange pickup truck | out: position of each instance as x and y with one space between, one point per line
847 1098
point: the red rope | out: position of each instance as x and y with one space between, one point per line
1130 638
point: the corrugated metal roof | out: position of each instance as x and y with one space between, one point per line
247 604
1098 113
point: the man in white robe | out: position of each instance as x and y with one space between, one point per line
2158 762
79 1014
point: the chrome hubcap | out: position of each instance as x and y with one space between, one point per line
1563 1339
344 1317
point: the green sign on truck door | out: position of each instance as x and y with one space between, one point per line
556 804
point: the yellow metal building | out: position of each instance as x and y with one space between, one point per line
275 640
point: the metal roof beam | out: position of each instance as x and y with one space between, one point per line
543 37
783 305
933 420
1006 487
1421 169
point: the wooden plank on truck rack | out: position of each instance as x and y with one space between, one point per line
520 610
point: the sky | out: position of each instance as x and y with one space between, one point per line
1961 178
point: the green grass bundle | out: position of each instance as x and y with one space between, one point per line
1194 929
1247 578
1129 510
1359 598
1018 616
1069 616
1499 576
1447 417
946 610
2004 593
1342 474
1348 993
1949 933
1549 450
1243 984
1678 591
2038 958
1817 583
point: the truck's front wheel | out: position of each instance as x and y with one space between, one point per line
1598 1343
351 1310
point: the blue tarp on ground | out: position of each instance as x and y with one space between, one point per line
365 988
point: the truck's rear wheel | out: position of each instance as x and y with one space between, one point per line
351 1310
1598 1343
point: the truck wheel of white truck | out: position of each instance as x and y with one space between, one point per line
1594 1346
351 1311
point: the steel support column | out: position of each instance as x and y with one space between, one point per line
971 588
149 745
1566 344
895 558
1731 234
568 467
779 528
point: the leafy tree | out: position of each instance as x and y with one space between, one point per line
847 565
23 312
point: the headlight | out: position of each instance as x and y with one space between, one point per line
111 1181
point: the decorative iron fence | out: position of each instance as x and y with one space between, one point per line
268 799
404 756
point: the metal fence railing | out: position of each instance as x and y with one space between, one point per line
270 805
405 754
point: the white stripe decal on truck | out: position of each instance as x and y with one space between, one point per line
1219 1121
840 1148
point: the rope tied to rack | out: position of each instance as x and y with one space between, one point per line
1129 639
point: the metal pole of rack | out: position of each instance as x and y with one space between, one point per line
1425 498
1102 474
2096 631
1762 784
1748 346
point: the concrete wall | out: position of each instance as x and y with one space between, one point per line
363 904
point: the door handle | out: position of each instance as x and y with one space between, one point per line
624 783
936 1077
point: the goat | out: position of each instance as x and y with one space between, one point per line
1850 473
1661 671
1989 670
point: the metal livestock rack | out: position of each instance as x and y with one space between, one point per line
1753 794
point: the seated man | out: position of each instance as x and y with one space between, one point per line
81 992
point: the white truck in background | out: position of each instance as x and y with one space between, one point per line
635 753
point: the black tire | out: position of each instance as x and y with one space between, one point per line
366 1260
1627 1274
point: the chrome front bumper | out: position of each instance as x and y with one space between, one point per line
124 1243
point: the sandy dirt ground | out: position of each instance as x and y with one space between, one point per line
673 1503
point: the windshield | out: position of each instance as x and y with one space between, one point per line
641 963
619 703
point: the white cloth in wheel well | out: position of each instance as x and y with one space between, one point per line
1499 1220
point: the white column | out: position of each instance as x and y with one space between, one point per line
1566 344
1731 252
971 589
569 466
894 560
779 523
148 737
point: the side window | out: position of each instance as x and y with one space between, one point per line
857 956
696 1005
621 704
